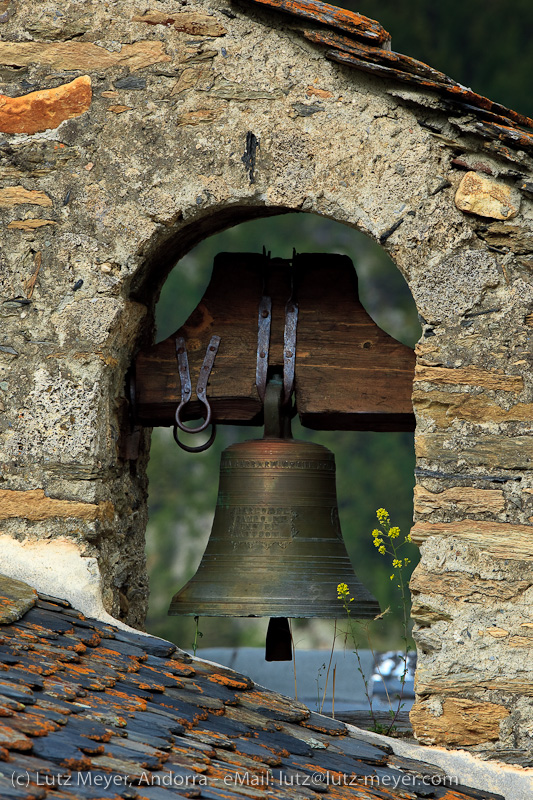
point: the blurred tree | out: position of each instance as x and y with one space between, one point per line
484 44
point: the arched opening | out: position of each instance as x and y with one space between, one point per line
373 469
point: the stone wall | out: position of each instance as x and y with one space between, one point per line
124 132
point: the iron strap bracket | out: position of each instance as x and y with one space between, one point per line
264 326
263 344
201 391
289 348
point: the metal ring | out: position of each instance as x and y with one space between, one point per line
199 448
198 428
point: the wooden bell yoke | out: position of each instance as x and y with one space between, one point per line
301 317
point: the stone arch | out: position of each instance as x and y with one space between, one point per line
109 175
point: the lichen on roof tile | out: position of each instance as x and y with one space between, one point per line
93 712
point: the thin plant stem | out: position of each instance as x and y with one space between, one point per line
329 666
333 693
384 541
293 662
197 635
374 661
358 656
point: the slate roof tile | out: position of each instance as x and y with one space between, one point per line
360 43
25 677
55 705
155 647
275 706
55 600
130 717
322 724
14 691
173 667
31 724
157 742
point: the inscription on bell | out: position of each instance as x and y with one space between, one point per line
307 465
263 525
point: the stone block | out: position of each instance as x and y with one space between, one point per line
463 498
457 721
491 537
469 376
34 505
489 451
18 195
84 56
462 586
443 407
45 109
192 22
487 198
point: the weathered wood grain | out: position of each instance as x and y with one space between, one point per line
349 374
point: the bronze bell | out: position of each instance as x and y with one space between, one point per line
276 548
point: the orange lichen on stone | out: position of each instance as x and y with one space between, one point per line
45 109
231 683
33 725
129 703
332 16
177 666
12 739
77 764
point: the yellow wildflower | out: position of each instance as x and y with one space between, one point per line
342 591
383 516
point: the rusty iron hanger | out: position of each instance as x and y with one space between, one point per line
201 392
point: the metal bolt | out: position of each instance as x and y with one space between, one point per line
264 313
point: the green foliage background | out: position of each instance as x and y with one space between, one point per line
483 44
